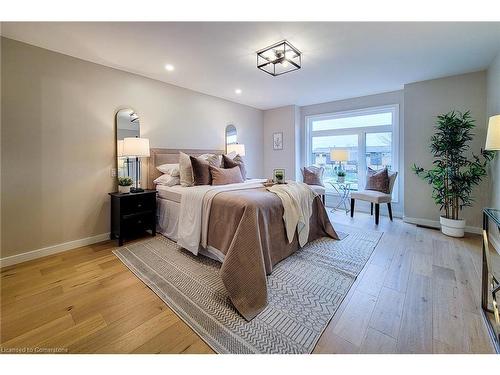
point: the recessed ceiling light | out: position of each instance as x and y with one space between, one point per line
169 67
238 91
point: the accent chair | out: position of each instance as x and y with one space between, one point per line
375 198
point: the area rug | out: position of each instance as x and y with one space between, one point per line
304 291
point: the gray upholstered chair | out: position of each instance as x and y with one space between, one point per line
318 189
375 198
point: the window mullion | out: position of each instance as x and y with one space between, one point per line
361 159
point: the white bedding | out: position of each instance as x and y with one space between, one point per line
173 193
189 230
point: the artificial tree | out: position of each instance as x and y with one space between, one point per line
454 174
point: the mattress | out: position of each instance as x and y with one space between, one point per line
168 224
171 193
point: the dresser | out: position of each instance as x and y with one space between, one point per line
132 214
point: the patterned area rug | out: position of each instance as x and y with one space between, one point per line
304 290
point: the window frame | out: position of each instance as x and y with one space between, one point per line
361 132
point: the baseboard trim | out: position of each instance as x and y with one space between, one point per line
50 250
436 224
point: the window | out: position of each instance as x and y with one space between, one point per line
363 138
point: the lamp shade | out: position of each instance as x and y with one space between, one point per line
339 155
137 147
119 148
493 136
239 148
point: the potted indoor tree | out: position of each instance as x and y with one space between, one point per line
453 174
124 184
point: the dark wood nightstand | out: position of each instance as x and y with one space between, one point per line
132 214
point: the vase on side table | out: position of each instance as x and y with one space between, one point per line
123 189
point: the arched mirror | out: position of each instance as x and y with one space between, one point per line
231 135
127 126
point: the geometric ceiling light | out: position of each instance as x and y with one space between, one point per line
279 58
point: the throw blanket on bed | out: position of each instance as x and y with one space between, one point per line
191 209
247 227
297 201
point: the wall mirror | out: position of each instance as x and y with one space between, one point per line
127 125
231 135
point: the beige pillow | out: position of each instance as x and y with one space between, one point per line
185 170
224 176
237 161
171 169
212 159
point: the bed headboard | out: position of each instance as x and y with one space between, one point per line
159 156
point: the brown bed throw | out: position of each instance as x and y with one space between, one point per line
247 227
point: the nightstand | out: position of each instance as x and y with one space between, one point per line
132 214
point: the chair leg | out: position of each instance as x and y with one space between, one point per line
389 207
352 207
371 209
377 213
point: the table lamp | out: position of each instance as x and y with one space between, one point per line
493 135
339 155
239 148
138 148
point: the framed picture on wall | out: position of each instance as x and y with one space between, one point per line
278 141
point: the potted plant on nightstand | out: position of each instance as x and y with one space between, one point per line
453 174
340 176
124 184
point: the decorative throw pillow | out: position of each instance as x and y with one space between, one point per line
313 175
201 171
377 180
185 170
224 176
392 179
237 161
167 180
212 159
171 169
232 155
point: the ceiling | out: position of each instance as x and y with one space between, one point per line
340 59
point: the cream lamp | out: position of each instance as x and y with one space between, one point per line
493 135
239 148
138 148
339 155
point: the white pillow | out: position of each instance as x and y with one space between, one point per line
167 180
232 155
171 169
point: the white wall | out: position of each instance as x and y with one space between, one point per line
493 108
394 97
283 119
423 102
58 140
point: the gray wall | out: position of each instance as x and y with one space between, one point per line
493 79
388 98
283 119
423 102
58 140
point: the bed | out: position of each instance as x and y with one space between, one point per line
240 225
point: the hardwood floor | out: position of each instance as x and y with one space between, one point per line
419 293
